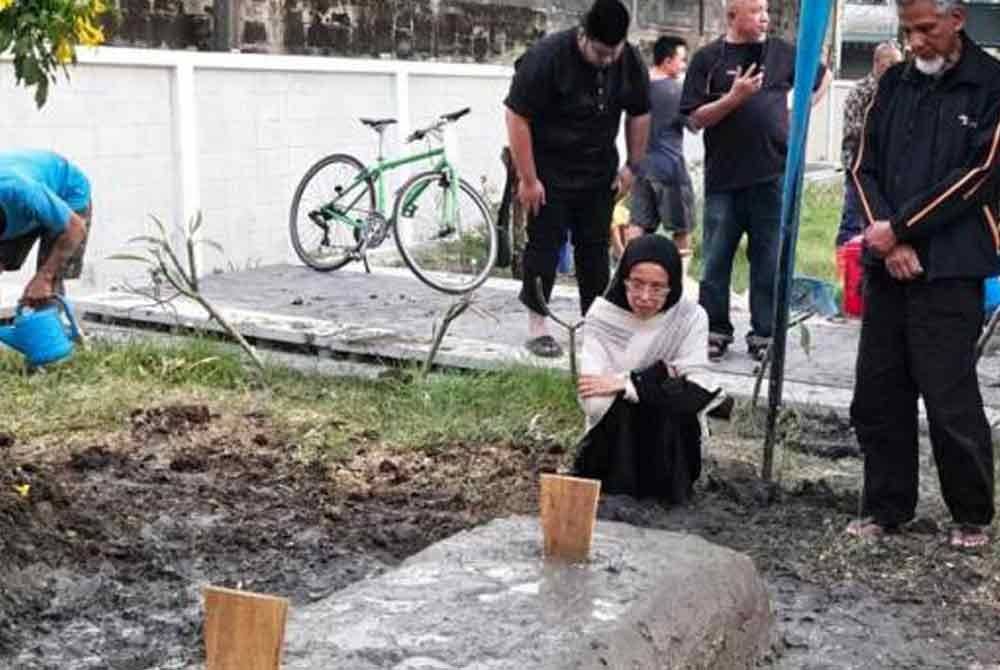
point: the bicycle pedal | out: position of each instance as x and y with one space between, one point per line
444 232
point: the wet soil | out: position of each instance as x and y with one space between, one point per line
106 549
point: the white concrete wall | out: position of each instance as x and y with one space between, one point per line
169 133
258 133
115 121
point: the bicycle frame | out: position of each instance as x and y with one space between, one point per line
374 173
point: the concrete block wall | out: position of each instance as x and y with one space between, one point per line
169 133
116 123
482 133
258 133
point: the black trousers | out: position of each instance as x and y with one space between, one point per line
585 214
644 451
918 338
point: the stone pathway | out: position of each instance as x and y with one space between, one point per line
389 314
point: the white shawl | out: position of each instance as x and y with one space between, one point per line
616 341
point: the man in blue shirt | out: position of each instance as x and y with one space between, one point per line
662 192
44 198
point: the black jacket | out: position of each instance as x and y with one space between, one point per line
928 163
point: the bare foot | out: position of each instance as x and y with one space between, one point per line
866 529
968 537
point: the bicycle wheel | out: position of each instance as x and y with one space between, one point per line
444 234
331 208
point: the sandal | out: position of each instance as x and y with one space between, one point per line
544 346
866 529
717 349
720 406
968 537
758 352
757 347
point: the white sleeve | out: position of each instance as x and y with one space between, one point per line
595 360
692 356
630 393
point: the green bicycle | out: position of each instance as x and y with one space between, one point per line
442 226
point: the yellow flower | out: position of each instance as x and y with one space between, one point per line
22 489
87 33
97 7
64 52
4 4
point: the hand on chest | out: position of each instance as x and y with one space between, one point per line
732 61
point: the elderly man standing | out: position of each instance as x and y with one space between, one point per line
886 55
927 178
563 112
737 90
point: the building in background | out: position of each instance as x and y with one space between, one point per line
477 31
484 31
865 23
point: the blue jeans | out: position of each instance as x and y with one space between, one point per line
756 211
852 221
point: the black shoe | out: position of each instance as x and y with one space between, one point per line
717 349
757 347
721 406
544 346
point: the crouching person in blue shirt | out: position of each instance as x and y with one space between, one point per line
43 198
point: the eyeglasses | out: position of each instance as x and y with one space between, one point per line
636 287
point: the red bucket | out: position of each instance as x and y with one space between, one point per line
851 274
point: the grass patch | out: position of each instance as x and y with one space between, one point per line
325 417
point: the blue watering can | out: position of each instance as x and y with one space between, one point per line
40 334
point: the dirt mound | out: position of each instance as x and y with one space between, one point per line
121 536
96 457
105 548
169 419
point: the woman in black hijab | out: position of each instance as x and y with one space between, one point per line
643 348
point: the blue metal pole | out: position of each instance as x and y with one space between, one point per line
813 20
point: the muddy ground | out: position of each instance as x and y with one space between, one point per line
103 555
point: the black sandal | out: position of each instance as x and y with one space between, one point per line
717 350
544 346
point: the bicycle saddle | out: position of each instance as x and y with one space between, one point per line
377 124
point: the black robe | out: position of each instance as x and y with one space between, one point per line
648 449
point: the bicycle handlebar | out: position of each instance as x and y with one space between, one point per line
450 117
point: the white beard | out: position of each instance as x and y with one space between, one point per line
929 66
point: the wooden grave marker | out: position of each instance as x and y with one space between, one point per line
569 511
243 630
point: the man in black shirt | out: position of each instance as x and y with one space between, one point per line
927 171
737 90
563 111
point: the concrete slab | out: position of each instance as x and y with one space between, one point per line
485 600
